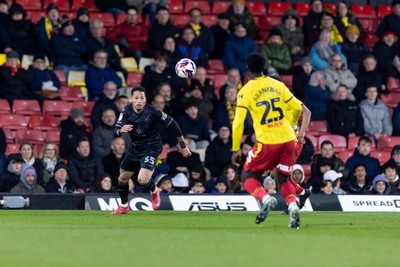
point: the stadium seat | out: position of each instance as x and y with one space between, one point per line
180 20
386 143
72 93
317 128
4 107
30 4
257 8
267 22
216 66
339 141
35 16
86 106
68 14
134 78
204 6
13 122
332 7
307 172
10 136
220 7
384 10
33 136
314 141
43 122
144 62
164 152
201 152
106 17
130 64
393 84
278 8
89 4
12 149
26 107
76 78
345 155
57 108
288 81
363 11
209 20
220 80
370 39
382 156
53 136
391 100
61 76
302 9
368 24
175 6
352 142
61 4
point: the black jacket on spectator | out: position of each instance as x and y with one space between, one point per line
67 50
389 23
158 33
83 171
220 36
300 82
21 36
53 187
93 45
102 104
364 80
206 39
344 117
396 122
15 85
306 153
111 166
70 134
385 55
175 159
310 24
81 28
355 53
218 155
105 5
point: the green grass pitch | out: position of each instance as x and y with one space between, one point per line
167 238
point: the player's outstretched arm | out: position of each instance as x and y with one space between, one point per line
306 117
184 149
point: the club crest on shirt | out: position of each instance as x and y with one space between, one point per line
120 116
164 116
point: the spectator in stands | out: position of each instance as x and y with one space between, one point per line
385 51
389 171
368 75
60 182
345 18
10 177
301 77
198 187
158 73
84 166
376 115
20 33
48 26
194 125
390 22
98 73
317 96
395 157
181 165
28 181
188 46
164 183
326 187
197 93
221 34
68 49
292 35
45 83
3 147
50 158
104 133
81 23
111 162
160 30
336 181
4 8
361 155
171 102
312 20
233 79
343 115
72 130
322 166
237 48
218 153
220 186
380 185
360 184
15 82
202 32
122 102
96 41
130 35
327 152
239 13
107 99
167 136
298 175
276 52
338 74
306 152
321 52
201 81
150 7
26 149
170 48
103 184
230 173
354 50
396 121
225 111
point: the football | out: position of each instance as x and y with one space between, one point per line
185 68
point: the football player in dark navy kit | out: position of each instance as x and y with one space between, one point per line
140 121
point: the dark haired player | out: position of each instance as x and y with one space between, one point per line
140 121
275 111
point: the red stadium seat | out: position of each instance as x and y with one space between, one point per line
12 149
314 141
134 78
257 8
33 136
339 141
43 122
391 100
209 20
175 6
345 155
220 7
61 4
10 136
267 22
13 122
352 142
317 128
386 143
26 107
53 136
4 107
180 20
393 84
86 106
368 24
370 39
107 18
288 81
72 93
57 108
383 11
30 4
332 7
220 80
363 11
204 6
61 76
278 8
35 16
382 156
307 172
216 66
89 4
302 9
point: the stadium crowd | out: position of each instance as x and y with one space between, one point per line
323 54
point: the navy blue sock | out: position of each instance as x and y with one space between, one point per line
123 192
151 186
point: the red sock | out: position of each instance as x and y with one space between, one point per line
297 187
288 192
255 188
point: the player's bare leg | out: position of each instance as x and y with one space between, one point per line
123 189
144 178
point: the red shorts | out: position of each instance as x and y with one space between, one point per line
266 157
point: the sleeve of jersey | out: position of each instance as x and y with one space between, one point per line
237 127
170 123
121 122
294 107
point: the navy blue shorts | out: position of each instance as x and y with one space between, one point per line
132 162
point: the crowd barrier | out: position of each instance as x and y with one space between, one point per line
185 202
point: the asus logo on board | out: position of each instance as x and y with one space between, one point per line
215 206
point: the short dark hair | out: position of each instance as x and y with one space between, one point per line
389 165
195 8
162 8
360 165
131 7
138 88
326 142
191 102
83 139
255 63
122 97
364 138
160 55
